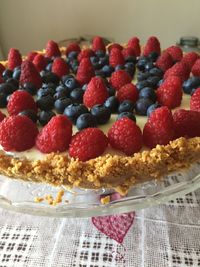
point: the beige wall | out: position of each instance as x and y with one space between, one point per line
28 24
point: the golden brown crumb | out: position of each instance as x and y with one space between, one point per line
105 200
38 199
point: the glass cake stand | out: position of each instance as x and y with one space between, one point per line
19 196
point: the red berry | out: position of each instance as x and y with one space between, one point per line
114 45
195 100
2 68
116 57
86 53
119 78
134 43
159 128
126 136
31 55
128 52
165 61
30 74
55 136
96 93
128 92
186 123
40 62
14 58
98 44
175 52
85 71
152 45
88 144
52 49
170 92
2 116
17 133
190 58
179 69
73 47
60 67
19 101
196 68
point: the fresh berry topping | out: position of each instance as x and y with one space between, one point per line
45 102
85 71
101 113
126 136
134 43
14 58
112 104
119 78
152 45
165 61
20 100
152 108
45 116
2 116
196 68
179 69
73 47
52 49
127 92
31 114
114 45
6 74
186 123
88 144
96 93
73 111
40 62
98 44
190 58
61 103
191 84
76 95
85 120
128 52
127 114
55 136
6 88
126 106
175 52
31 55
142 105
159 128
59 67
170 92
86 53
116 57
2 68
30 74
107 70
195 100
148 92
17 133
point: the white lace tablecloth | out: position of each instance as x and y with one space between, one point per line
166 235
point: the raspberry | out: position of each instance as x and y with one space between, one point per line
119 78
55 136
17 133
60 67
88 144
96 93
85 71
159 128
179 69
2 68
114 45
175 52
152 45
31 55
186 123
128 92
98 44
73 47
190 58
170 92
128 52
14 58
116 57
195 100
52 49
40 62
126 136
196 68
2 116
134 43
30 74
165 61
19 101
86 53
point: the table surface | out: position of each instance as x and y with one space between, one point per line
165 235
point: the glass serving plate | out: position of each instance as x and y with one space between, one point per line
19 196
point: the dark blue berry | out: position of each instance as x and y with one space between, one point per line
30 88
119 67
3 100
84 87
126 114
44 92
153 56
141 76
71 83
130 70
160 82
100 73
142 84
85 120
74 65
65 77
126 106
49 85
147 92
112 103
94 60
50 77
59 94
111 90
107 70
156 72
13 82
31 114
153 81
16 74
73 111
101 113
142 105
190 84
72 55
45 116
6 88
152 108
61 103
45 102
131 59
142 62
49 67
7 74
149 66
104 60
100 53
62 89
76 95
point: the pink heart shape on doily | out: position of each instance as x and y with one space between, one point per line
114 226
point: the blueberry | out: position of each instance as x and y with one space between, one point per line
153 56
59 94
142 84
126 105
104 60
107 70
143 76
84 87
94 60
76 95
45 116
101 113
7 74
152 108
6 89
63 90
190 84
72 55
111 90
48 67
130 70
3 100
45 102
160 82
119 67
16 74
31 114
61 103
147 92
156 72
45 92
65 77
13 82
142 62
100 53
85 120
130 65
127 114
74 65
149 66
71 83
153 81
100 73
49 85
50 77
73 111
192 92
142 105
131 59
112 104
